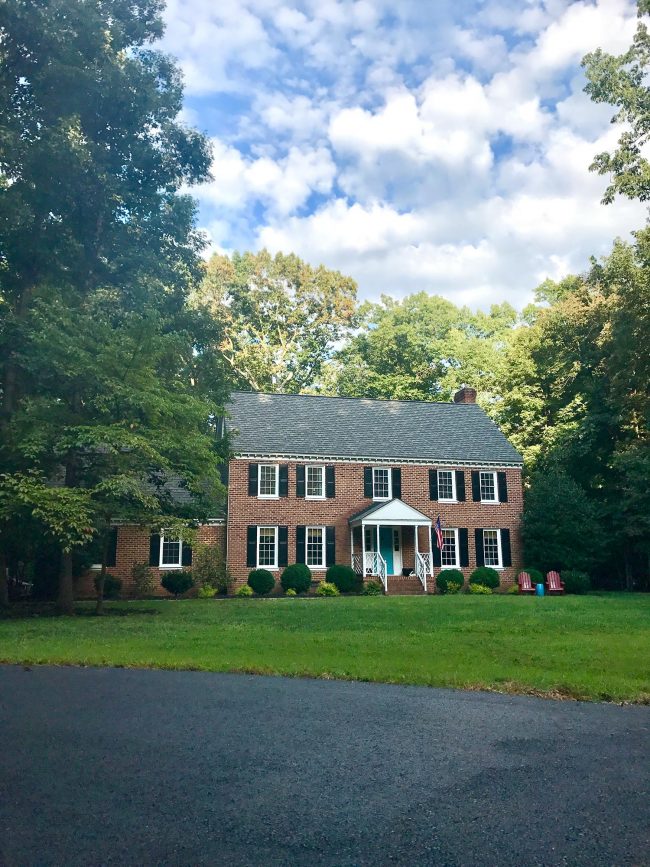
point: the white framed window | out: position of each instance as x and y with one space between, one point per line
489 490
315 483
449 558
371 538
492 549
171 552
315 547
446 486
268 481
381 483
267 547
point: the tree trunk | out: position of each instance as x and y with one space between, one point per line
4 589
99 608
65 602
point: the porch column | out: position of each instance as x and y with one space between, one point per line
430 553
363 549
416 531
378 544
352 547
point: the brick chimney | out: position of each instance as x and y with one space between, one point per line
465 395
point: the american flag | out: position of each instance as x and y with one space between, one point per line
438 528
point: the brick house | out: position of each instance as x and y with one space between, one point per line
323 480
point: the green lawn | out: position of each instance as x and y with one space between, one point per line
594 647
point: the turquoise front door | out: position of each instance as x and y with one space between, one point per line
386 547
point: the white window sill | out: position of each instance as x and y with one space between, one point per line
316 568
268 568
381 499
496 568
321 497
268 496
171 566
455 566
448 501
490 502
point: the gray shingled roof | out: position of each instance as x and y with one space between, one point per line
304 425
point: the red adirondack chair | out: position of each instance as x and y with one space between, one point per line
554 584
525 584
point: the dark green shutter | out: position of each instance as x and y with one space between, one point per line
300 480
283 483
506 552
300 544
433 484
330 482
460 486
283 546
464 546
397 482
476 486
367 482
502 487
478 541
436 555
253 470
154 550
111 550
330 546
251 545
186 555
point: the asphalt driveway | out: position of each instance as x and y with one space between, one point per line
105 766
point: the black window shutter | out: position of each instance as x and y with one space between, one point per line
433 484
367 482
111 550
154 550
478 541
506 553
476 486
460 486
397 482
464 546
330 546
502 487
283 484
300 480
300 544
283 546
186 555
330 481
252 479
251 545
436 555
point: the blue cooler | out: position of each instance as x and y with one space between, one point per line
539 589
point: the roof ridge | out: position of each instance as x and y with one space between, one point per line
349 397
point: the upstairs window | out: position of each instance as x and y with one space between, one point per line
381 483
449 556
171 552
492 548
446 486
488 487
315 481
268 480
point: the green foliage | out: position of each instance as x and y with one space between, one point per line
576 581
244 591
326 588
143 580
372 588
536 577
209 568
206 591
261 581
296 576
513 590
290 592
344 577
112 586
449 580
176 581
454 586
480 589
486 576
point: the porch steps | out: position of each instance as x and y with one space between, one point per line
402 585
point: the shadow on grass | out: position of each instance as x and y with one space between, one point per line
27 610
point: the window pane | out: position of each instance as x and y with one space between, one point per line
171 552
381 488
449 550
266 552
315 481
491 547
315 546
488 491
445 485
268 477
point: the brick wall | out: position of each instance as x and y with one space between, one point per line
292 511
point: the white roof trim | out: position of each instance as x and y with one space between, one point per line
394 512
367 459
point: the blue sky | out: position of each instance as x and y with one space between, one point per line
414 145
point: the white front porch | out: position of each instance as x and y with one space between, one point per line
390 539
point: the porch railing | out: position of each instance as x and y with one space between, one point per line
422 568
375 565
357 564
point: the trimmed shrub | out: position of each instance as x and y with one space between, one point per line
513 589
480 589
143 581
290 592
261 581
485 575
206 591
326 588
441 582
344 577
244 591
297 577
454 587
209 567
112 586
576 581
177 583
536 576
373 588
